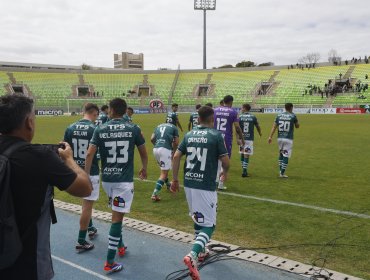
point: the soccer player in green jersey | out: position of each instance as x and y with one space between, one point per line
284 123
103 116
247 122
205 149
193 121
172 117
116 141
128 116
165 140
78 135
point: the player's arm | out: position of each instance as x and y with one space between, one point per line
259 129
272 133
175 144
89 157
225 162
296 123
190 123
175 171
152 139
239 132
144 161
81 186
179 124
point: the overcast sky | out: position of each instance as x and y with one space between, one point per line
170 32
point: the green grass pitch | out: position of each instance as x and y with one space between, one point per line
329 168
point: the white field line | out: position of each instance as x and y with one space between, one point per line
322 209
80 268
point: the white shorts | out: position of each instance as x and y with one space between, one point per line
163 157
247 149
95 182
285 146
120 196
202 206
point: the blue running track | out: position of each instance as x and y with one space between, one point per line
149 257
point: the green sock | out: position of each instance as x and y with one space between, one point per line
280 160
245 164
167 182
241 159
82 236
284 165
197 229
120 242
113 241
201 241
158 187
91 226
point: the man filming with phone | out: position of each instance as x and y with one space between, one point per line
35 169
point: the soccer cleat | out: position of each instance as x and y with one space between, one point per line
121 251
86 246
155 198
191 263
203 255
245 174
283 176
114 267
221 186
92 232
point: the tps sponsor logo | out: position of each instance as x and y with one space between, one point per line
273 110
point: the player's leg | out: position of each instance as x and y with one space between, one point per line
159 184
163 157
281 149
286 152
85 218
121 195
228 144
203 208
248 151
82 244
241 151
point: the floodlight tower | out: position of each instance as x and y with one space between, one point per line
205 5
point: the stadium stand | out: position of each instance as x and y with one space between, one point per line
49 89
188 87
4 80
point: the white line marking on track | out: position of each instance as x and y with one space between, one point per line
80 268
322 209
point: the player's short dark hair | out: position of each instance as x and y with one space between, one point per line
246 106
288 106
130 108
90 107
209 105
205 113
228 99
104 107
175 105
14 108
119 106
198 106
